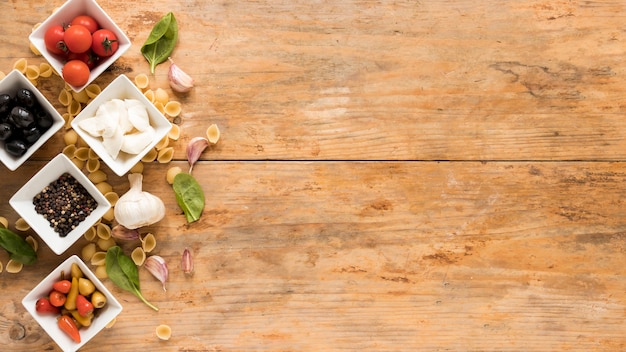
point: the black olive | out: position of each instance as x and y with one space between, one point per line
22 117
43 119
31 135
6 104
25 97
16 147
6 130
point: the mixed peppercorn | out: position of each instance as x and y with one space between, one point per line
64 203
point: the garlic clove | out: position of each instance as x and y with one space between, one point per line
179 80
195 147
157 267
187 262
122 233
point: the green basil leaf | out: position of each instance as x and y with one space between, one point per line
123 272
161 41
19 250
189 196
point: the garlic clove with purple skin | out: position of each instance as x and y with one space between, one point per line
120 232
179 80
187 262
195 147
157 267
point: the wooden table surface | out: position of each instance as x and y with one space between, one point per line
392 175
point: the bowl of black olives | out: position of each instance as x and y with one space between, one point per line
27 120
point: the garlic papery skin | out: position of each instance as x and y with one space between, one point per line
187 262
137 208
179 80
157 267
120 232
195 147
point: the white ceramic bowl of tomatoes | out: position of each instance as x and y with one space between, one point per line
48 317
80 41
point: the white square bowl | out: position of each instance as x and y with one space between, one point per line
64 15
22 202
10 84
121 88
49 321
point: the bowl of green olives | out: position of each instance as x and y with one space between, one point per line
27 120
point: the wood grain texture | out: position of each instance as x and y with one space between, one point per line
392 176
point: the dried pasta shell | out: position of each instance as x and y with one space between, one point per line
160 107
105 244
148 242
70 137
93 165
142 81
4 222
165 155
69 151
21 225
90 234
32 72
93 90
137 168
14 267
21 64
74 108
174 132
81 97
104 187
112 197
1 267
93 154
65 97
164 332
34 49
68 121
97 176
164 142
103 231
79 163
98 258
45 70
82 153
161 96
109 215
171 173
88 251
149 94
150 156
138 256
32 242
213 133
101 272
172 108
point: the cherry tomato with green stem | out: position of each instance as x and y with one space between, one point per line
54 40
76 73
104 43
77 38
87 21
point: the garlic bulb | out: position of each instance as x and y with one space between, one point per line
179 80
137 208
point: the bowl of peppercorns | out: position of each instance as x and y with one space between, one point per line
27 120
60 203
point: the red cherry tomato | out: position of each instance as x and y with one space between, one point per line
104 43
86 21
78 39
76 72
53 38
87 57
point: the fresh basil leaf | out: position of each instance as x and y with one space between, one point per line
189 196
123 272
19 250
161 41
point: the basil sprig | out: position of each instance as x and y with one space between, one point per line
161 41
123 272
19 250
